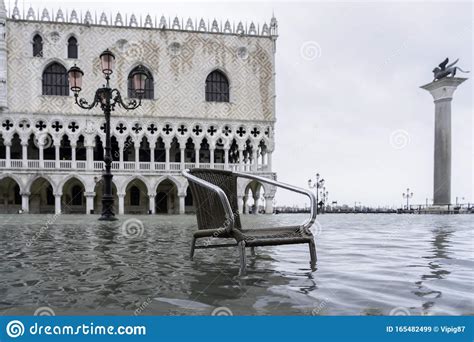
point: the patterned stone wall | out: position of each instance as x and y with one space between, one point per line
179 60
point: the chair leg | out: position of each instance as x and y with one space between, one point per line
243 258
312 252
193 244
252 251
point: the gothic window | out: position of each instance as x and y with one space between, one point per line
37 46
55 80
217 87
72 48
76 194
149 88
134 196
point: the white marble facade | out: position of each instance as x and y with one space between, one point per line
51 150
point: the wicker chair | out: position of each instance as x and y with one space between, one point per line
215 200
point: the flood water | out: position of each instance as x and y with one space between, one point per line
367 265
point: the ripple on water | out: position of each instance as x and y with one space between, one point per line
367 265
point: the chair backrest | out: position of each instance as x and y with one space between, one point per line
209 210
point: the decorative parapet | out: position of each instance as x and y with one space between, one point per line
148 22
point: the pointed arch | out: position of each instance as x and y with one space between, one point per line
149 84
72 48
55 80
41 198
59 188
217 87
131 179
37 45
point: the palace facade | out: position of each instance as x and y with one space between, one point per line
209 103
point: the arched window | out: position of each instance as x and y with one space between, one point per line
37 46
217 87
72 48
134 196
149 88
76 194
55 80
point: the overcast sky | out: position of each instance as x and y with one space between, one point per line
349 104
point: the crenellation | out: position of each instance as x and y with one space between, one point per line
174 24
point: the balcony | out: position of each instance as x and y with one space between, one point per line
125 166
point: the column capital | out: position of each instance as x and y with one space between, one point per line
89 194
443 89
25 193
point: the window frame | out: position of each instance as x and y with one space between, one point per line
75 45
49 78
37 51
217 87
149 85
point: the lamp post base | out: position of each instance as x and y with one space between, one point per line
107 218
107 205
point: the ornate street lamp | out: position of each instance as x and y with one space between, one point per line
318 184
107 98
324 198
408 195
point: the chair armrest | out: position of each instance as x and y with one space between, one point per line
229 214
306 225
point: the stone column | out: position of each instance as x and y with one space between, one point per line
256 203
89 201
269 161
89 157
226 158
152 155
442 92
56 155
24 153
211 157
8 145
240 204
255 160
196 154
73 155
120 155
41 154
57 204
268 204
121 203
181 204
167 155
241 160
25 202
137 157
182 158
151 202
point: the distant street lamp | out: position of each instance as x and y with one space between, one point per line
407 195
318 185
324 198
107 98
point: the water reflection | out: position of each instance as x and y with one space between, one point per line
367 265
441 232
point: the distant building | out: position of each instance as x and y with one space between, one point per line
209 102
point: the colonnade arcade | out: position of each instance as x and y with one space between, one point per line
82 194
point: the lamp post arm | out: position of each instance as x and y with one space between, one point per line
83 103
117 99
